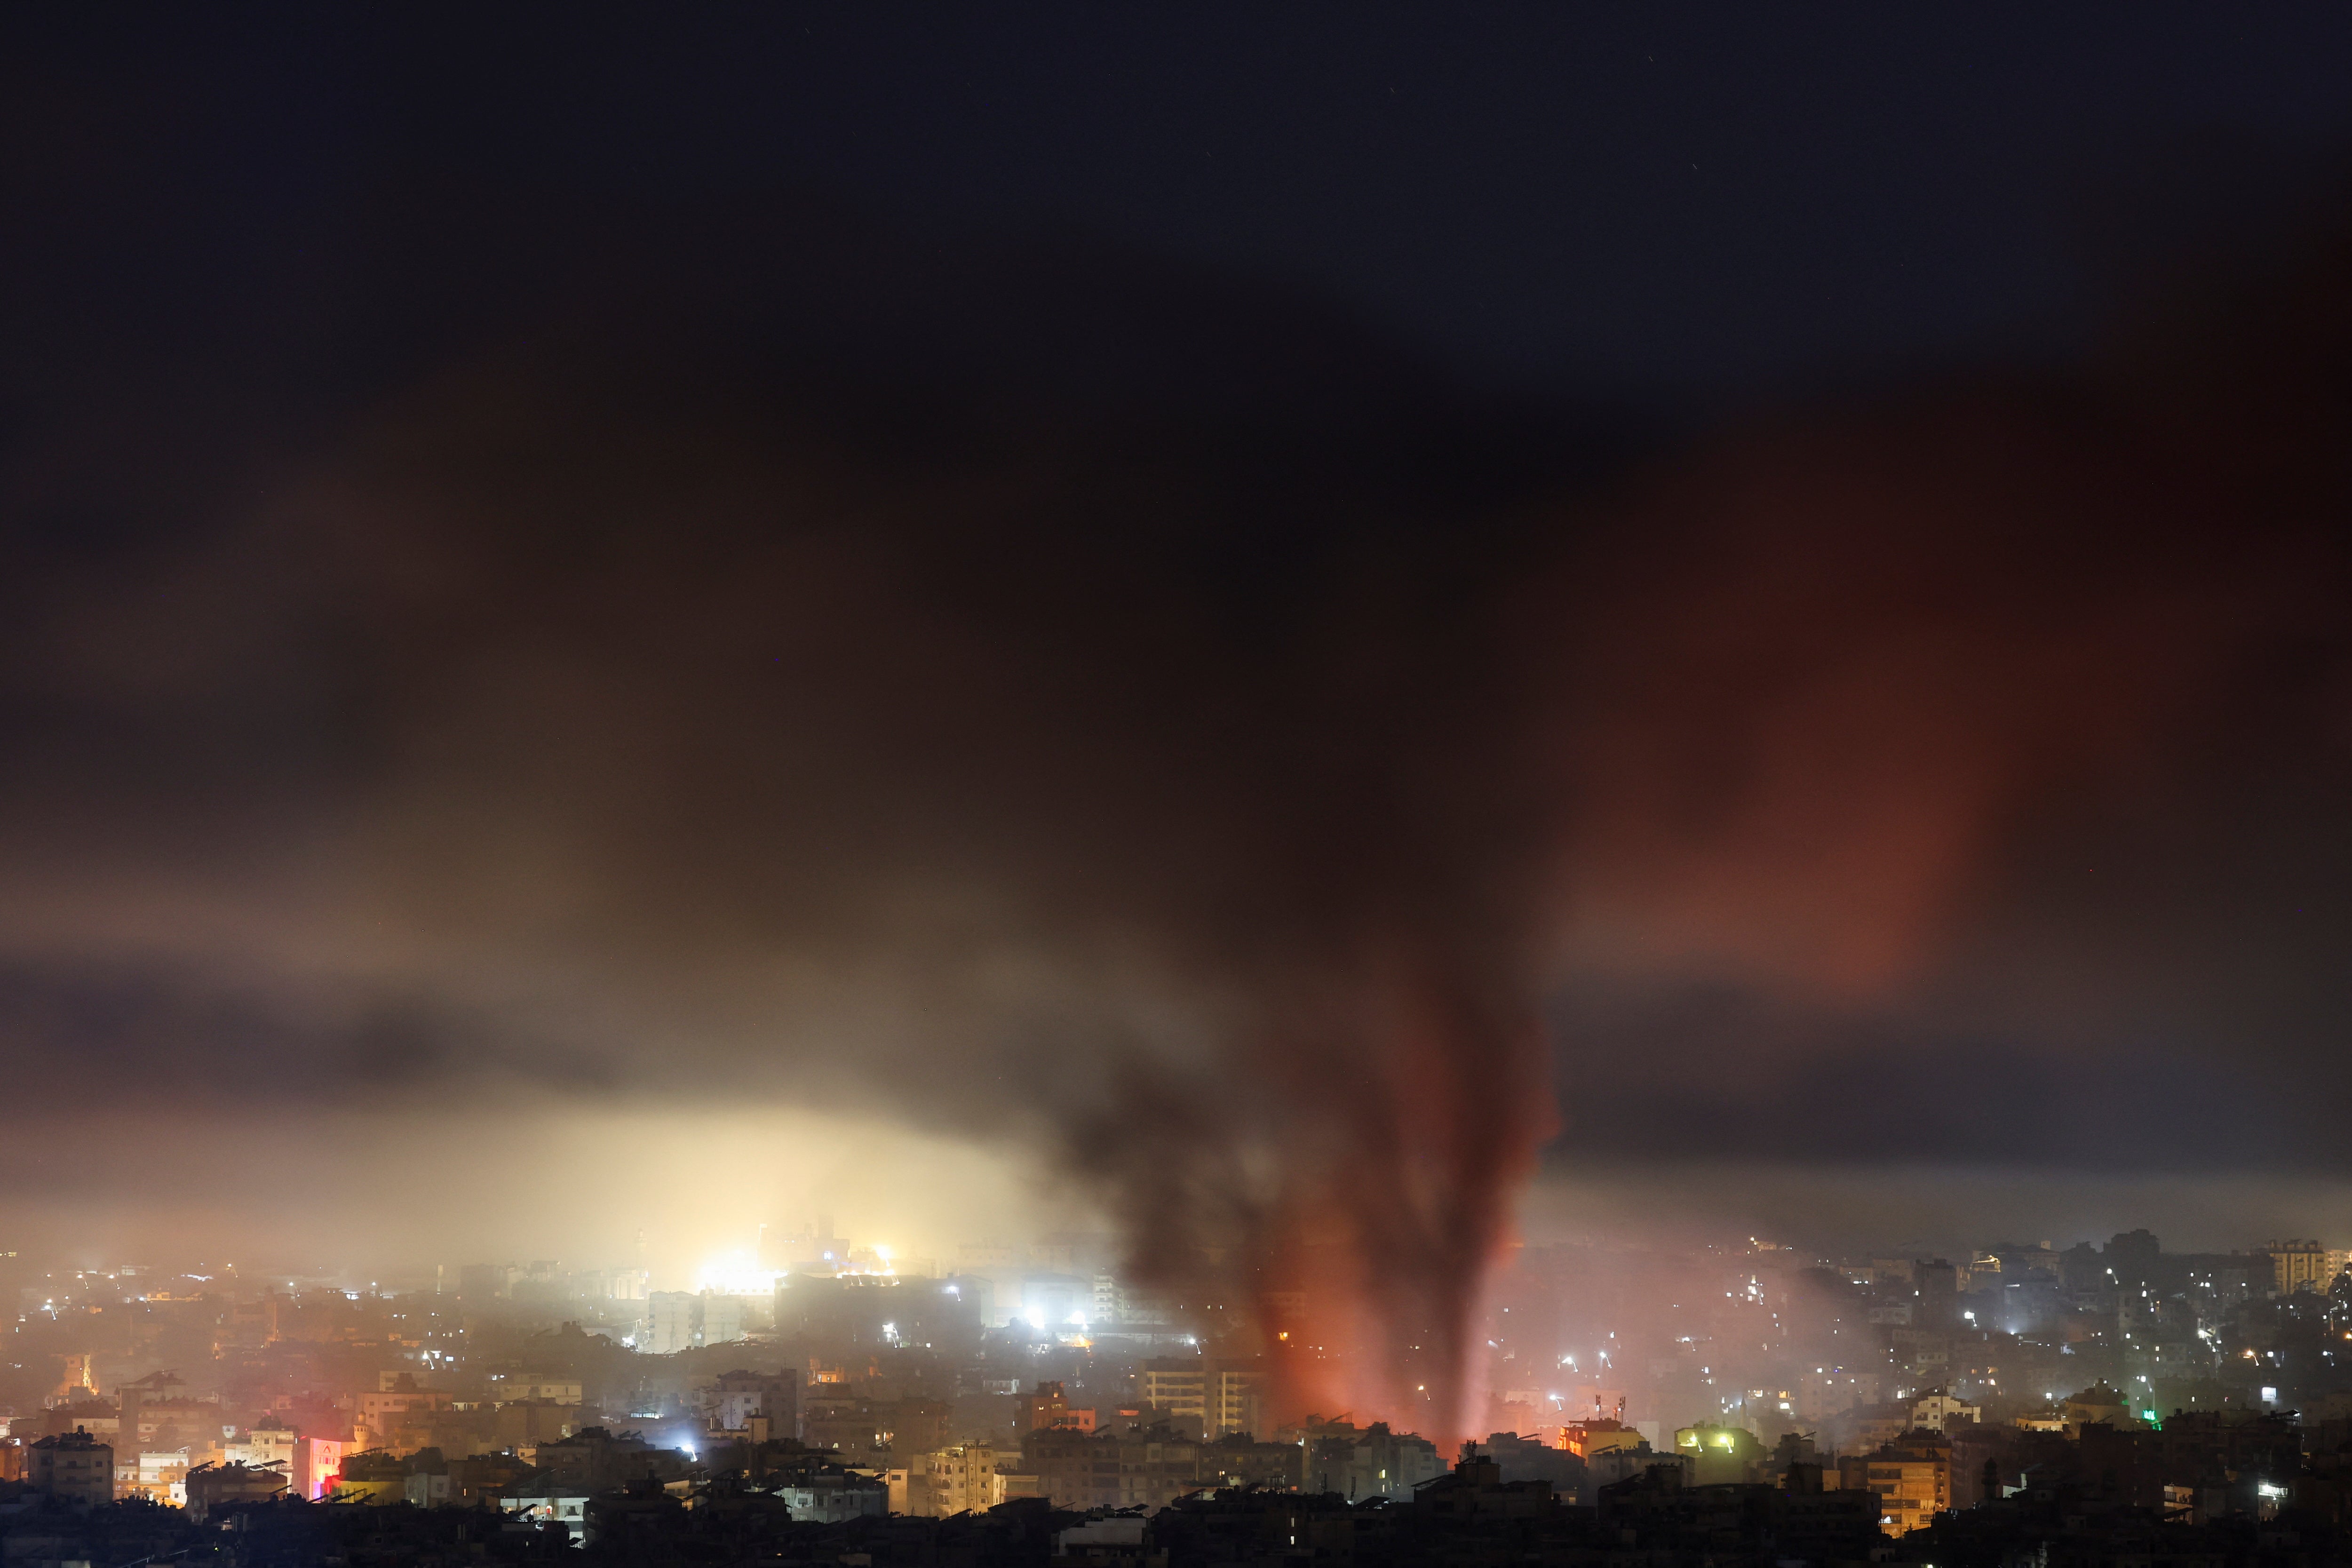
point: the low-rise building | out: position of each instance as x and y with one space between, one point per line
836 1496
372 1476
1933 1412
563 1505
739 1396
212 1487
1720 1456
1586 1439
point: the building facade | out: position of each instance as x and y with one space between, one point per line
75 1469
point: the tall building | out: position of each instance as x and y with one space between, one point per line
1913 1479
722 1319
1223 1396
2301 1265
672 1327
75 1469
964 1479
317 1462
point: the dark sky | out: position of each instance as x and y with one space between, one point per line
1776 569
1676 202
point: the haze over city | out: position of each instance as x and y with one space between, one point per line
960 732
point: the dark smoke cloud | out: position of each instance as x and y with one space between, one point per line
767 665
732 659
1965 776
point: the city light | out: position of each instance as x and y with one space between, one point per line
737 1272
1321 703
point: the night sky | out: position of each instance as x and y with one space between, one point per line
1195 606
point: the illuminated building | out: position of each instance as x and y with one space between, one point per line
79 1381
317 1462
1052 1301
563 1505
1587 1439
740 1395
834 1496
815 1248
378 1411
374 1477
1720 1454
1933 1412
1048 1407
1221 1396
1913 1479
672 1326
722 1319
2303 1266
266 1442
158 1477
963 1479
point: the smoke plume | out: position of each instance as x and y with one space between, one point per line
766 669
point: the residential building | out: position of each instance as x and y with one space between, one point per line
267 1441
1932 1412
673 1323
75 1469
1828 1392
318 1461
2301 1265
722 1319
741 1395
1148 1469
1360 1465
371 1476
2095 1404
397 1396
1720 1456
1049 1407
211 1486
834 1495
962 1479
1586 1439
1223 1396
1913 1479
159 1477
564 1505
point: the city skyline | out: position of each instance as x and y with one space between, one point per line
1240 684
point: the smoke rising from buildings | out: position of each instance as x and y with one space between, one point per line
770 669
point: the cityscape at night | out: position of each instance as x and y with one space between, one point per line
1084 787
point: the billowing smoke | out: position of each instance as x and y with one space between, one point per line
1197 762
706 684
